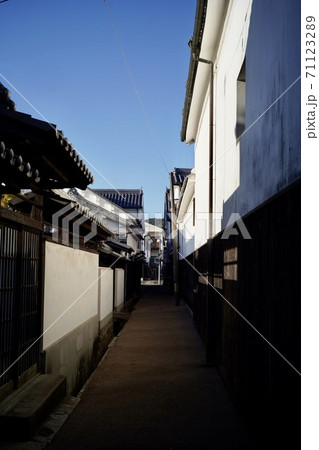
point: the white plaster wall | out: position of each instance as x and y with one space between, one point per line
105 292
132 242
70 290
229 61
269 151
187 233
202 177
119 288
147 247
267 159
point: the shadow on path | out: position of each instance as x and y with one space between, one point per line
153 390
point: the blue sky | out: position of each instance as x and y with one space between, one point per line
112 76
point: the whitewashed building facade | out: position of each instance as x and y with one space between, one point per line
242 113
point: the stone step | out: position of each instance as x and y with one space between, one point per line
23 412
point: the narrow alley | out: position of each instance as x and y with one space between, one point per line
149 148
153 390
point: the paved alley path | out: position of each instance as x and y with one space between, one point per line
153 389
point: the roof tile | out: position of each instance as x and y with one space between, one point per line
125 198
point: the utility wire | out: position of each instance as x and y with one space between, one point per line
46 120
139 99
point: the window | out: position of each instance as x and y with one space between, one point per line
241 100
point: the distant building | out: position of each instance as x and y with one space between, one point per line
171 200
156 236
131 200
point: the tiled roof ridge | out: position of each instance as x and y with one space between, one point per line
125 198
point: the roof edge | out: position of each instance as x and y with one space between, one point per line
200 18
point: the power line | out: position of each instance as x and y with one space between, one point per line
139 99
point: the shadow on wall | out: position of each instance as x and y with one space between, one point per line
260 277
270 157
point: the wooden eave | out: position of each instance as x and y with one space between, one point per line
45 149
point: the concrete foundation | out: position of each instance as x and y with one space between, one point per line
73 355
23 412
